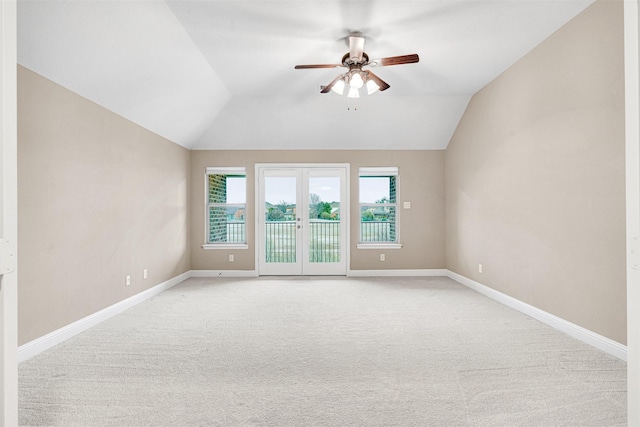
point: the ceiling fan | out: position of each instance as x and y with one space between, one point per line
356 78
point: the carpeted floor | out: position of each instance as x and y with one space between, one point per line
322 352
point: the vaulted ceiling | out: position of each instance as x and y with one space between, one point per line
219 74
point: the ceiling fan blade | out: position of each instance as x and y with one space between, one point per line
303 67
328 87
356 48
394 60
382 85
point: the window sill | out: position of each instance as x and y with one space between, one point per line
379 245
225 246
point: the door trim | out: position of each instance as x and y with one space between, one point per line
632 179
8 214
346 212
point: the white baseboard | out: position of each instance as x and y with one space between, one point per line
56 337
354 273
30 349
397 273
598 341
223 273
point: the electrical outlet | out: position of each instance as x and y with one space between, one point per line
144 274
479 268
382 257
231 258
128 280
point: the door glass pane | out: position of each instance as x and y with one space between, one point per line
280 219
324 219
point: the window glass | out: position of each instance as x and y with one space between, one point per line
226 206
378 209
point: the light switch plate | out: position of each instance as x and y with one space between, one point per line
407 205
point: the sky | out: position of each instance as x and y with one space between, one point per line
236 189
278 189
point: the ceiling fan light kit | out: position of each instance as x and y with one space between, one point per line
356 78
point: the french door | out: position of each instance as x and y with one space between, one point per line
302 218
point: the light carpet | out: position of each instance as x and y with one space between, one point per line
322 352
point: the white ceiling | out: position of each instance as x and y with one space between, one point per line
219 74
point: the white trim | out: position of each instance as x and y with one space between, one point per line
8 214
598 341
378 171
225 170
301 165
379 245
209 246
632 179
397 273
30 349
223 273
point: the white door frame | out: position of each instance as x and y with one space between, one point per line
344 208
8 216
632 156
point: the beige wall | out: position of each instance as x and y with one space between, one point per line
421 182
533 180
99 198
535 186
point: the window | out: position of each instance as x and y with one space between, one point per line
378 207
226 196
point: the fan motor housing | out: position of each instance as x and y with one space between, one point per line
346 60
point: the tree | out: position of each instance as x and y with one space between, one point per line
282 206
314 199
323 207
275 214
367 216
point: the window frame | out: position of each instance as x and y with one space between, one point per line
232 171
372 172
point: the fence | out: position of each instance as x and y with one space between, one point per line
324 241
236 232
280 240
376 231
324 238
229 232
